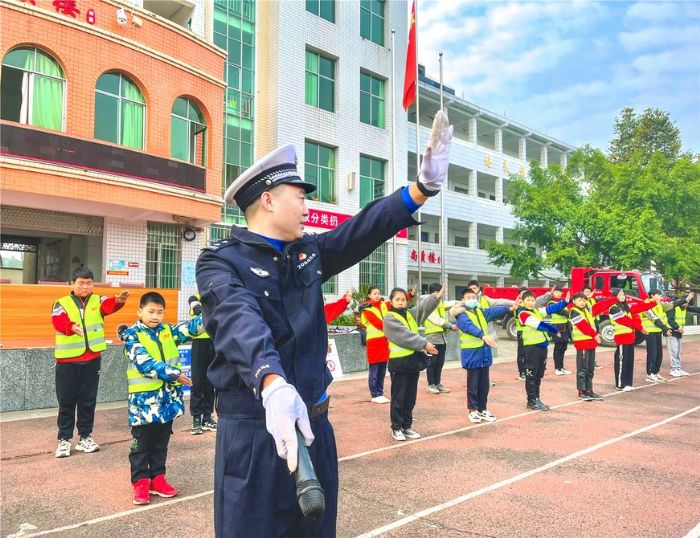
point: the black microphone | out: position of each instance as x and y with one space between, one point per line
120 331
310 494
195 305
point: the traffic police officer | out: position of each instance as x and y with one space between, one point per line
263 307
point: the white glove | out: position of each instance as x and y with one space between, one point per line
284 411
436 158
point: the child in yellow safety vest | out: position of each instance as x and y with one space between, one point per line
407 349
475 343
677 319
154 377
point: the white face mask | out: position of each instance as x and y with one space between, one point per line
471 303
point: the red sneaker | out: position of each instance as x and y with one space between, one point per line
141 495
160 486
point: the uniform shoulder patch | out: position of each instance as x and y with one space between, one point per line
223 243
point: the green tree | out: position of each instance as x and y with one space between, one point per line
645 134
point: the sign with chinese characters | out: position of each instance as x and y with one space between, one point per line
64 7
425 256
330 221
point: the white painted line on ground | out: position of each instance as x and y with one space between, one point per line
165 504
694 533
459 500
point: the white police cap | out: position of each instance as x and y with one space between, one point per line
275 168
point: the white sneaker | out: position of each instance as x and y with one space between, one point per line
475 417
559 371
675 373
63 449
627 388
87 445
566 372
660 378
380 400
411 434
442 388
683 373
487 416
651 378
432 389
398 435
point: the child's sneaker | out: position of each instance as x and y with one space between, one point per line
196 426
598 366
141 495
474 417
651 378
398 435
566 372
627 388
487 416
593 396
411 434
683 373
675 373
432 389
380 399
87 445
63 449
559 371
583 395
521 377
209 424
442 388
159 486
660 378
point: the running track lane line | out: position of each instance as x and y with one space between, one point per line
487 489
346 458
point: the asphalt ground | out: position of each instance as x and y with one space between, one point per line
628 466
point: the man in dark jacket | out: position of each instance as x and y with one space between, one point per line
263 307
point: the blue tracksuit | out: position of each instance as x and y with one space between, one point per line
481 356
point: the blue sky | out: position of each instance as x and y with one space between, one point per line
567 68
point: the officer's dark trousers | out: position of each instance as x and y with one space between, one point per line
254 494
202 391
149 450
585 367
434 371
404 386
478 386
560 345
624 365
375 378
76 387
655 352
520 357
535 365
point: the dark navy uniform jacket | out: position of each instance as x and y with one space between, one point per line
264 308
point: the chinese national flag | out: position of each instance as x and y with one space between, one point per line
409 81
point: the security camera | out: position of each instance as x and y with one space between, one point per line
121 17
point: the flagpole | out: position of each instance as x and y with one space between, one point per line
392 177
420 226
443 275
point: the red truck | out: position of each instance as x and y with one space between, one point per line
602 281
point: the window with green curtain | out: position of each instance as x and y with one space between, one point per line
187 132
373 269
323 8
319 169
371 179
372 20
32 89
119 111
320 81
372 100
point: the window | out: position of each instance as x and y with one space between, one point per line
319 169
372 20
119 111
371 180
320 81
187 131
460 241
461 190
323 8
371 100
331 285
373 269
163 255
217 232
32 89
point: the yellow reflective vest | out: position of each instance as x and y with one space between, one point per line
164 350
430 327
576 333
469 341
618 328
648 322
681 316
396 351
372 331
558 318
205 334
90 319
531 336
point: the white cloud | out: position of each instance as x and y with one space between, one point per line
663 11
661 36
